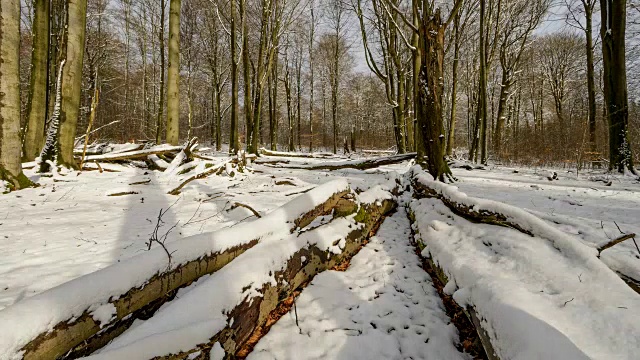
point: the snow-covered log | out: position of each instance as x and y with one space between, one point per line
233 306
264 151
531 290
347 164
82 315
133 155
493 212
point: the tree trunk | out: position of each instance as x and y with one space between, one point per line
482 91
430 101
454 86
72 81
162 66
246 67
37 103
10 165
287 88
173 74
234 146
311 40
500 121
612 32
273 106
591 87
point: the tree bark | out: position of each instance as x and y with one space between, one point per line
173 74
482 90
37 103
591 87
234 146
162 66
612 32
430 100
72 81
10 164
454 86
246 67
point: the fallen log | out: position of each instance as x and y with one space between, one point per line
264 151
349 164
436 272
134 155
92 310
234 304
496 213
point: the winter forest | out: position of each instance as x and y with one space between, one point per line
319 179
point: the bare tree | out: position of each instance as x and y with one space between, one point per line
612 32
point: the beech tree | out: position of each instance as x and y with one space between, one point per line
173 75
612 32
37 102
71 81
10 165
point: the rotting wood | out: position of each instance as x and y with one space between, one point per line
352 164
83 335
253 314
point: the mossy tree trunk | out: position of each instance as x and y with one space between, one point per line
173 74
37 104
10 165
72 81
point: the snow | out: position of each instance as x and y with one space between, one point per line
172 329
217 352
536 302
34 315
546 296
103 313
383 306
563 242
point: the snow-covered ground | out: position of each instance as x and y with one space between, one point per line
584 207
383 306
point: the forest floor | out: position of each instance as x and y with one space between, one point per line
383 306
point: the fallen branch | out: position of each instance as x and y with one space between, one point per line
123 193
237 205
201 175
615 242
